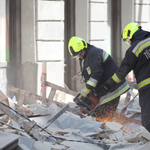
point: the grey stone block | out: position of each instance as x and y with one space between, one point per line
50 51
99 44
142 2
98 0
98 12
50 10
50 31
55 73
113 126
98 30
8 141
143 10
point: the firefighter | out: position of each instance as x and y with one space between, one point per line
96 67
137 58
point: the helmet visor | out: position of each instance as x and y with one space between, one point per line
73 52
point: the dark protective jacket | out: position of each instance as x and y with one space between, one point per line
137 58
98 66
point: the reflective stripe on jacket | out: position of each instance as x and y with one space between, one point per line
116 93
137 58
98 67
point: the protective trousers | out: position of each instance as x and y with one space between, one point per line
144 101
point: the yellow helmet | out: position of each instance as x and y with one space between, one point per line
76 45
129 30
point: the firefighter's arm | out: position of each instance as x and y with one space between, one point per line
90 85
84 92
126 66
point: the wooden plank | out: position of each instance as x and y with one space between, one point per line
52 94
44 75
29 126
34 96
4 99
21 99
57 87
28 94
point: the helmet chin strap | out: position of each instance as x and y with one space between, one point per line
80 61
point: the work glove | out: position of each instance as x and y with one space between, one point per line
84 92
106 88
103 90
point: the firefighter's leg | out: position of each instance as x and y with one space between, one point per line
144 100
106 111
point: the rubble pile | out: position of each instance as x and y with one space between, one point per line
22 127
75 133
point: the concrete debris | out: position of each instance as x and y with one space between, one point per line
145 134
113 126
70 131
118 134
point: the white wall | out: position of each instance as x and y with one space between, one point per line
42 28
50 38
98 23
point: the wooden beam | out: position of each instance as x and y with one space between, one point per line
21 99
52 94
29 126
4 99
34 96
57 87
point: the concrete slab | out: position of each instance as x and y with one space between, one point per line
80 146
68 122
128 146
47 146
145 147
28 142
22 146
8 142
145 133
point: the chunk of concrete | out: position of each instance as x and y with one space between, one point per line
22 146
107 141
72 105
4 118
145 133
90 118
131 138
130 127
11 131
113 126
118 134
47 146
8 142
145 147
112 137
28 142
81 146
